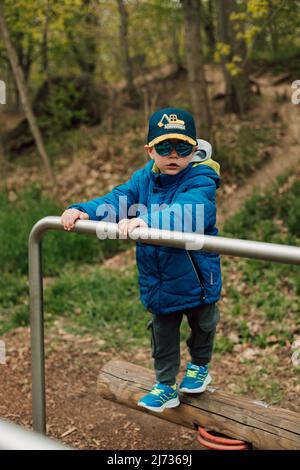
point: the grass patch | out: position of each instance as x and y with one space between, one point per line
16 221
262 298
223 345
285 60
101 302
243 152
14 309
68 142
272 217
98 301
263 387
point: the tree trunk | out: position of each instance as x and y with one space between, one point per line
272 29
209 26
237 88
195 66
223 9
22 88
126 62
24 55
45 57
176 59
2 159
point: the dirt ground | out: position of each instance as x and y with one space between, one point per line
76 414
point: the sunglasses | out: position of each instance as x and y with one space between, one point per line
164 148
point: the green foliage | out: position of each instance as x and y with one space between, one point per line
289 209
11 289
13 301
223 345
91 300
263 300
273 216
269 27
16 221
103 302
263 387
240 154
68 142
255 220
84 35
26 22
161 35
59 110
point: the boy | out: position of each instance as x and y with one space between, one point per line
172 281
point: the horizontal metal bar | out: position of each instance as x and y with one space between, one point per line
228 246
13 437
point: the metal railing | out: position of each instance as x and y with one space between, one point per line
14 437
226 246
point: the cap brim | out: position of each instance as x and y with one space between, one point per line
185 138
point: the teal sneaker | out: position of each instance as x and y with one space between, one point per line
160 397
196 379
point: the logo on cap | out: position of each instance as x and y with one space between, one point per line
172 122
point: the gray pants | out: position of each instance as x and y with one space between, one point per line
165 339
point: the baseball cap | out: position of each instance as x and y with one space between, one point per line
171 123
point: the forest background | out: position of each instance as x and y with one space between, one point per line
78 82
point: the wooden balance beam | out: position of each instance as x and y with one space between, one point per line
266 427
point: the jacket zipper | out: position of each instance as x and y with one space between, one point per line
199 275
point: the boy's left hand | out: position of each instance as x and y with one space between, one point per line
128 225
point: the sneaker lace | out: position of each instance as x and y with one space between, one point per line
156 391
191 373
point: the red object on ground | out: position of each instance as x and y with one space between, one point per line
211 441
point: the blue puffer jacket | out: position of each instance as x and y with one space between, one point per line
170 279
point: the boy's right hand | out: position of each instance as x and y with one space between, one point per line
69 217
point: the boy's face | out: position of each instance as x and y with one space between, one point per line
171 164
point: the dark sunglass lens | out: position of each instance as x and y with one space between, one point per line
184 149
163 148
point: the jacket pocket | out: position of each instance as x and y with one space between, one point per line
199 275
211 273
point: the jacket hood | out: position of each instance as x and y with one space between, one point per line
209 168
